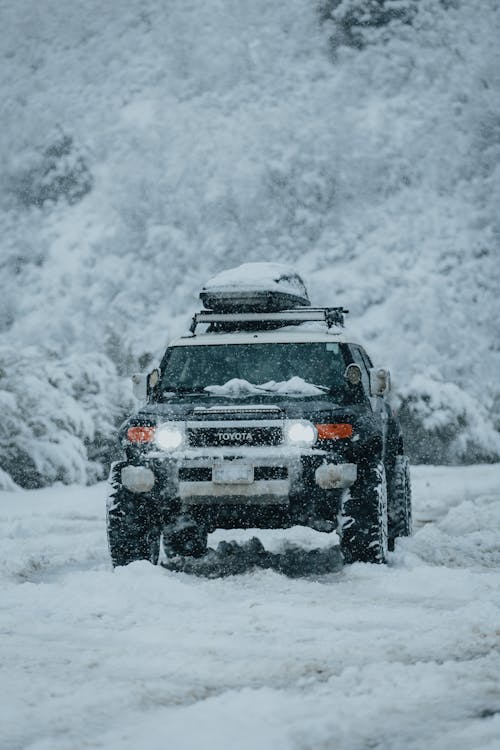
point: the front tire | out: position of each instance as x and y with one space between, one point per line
133 525
364 516
399 501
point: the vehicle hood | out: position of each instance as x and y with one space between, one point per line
316 410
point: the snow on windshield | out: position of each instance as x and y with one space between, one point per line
237 387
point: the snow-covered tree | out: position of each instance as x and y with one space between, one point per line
146 147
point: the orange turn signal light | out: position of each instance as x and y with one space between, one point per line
140 434
333 431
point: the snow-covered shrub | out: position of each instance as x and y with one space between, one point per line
354 19
230 135
58 172
356 23
444 424
58 416
120 353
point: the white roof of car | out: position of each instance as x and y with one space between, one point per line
305 333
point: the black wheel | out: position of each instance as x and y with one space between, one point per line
184 537
399 500
133 524
364 516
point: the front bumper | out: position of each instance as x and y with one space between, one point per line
275 474
271 479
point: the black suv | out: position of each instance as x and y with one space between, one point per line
263 420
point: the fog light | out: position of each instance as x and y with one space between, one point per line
137 478
336 476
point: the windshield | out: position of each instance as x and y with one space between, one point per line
231 369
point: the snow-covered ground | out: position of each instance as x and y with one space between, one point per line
402 656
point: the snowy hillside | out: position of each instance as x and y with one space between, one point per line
369 656
148 145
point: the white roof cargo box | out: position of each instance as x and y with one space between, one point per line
255 287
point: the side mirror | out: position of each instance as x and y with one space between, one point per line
153 379
353 374
380 381
139 386
142 384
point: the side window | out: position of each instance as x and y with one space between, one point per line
359 360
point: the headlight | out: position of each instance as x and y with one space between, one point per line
169 436
301 432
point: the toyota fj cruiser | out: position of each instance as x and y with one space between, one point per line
268 418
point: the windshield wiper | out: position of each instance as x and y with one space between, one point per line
182 389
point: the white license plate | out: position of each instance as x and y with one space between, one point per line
232 472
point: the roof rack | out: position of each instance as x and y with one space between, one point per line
262 320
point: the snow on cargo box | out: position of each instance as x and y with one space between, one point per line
255 287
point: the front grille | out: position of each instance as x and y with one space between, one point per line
195 474
202 437
270 472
